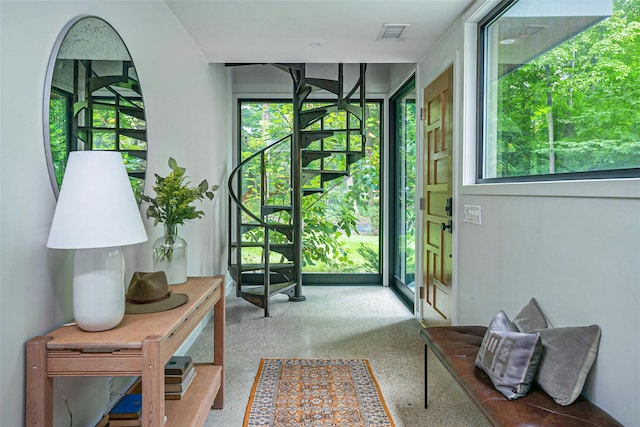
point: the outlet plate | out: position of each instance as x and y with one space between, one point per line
472 214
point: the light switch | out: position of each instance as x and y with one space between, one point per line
472 214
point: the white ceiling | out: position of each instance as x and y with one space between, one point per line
285 30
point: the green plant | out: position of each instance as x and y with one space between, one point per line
174 199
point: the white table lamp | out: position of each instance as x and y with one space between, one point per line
96 214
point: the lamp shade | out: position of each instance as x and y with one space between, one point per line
96 206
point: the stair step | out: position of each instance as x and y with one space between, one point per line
309 116
326 175
309 156
272 266
285 249
138 154
134 133
309 191
136 174
269 209
138 113
254 277
83 132
309 136
274 289
356 110
333 86
286 229
354 157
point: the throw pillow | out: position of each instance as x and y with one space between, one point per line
499 323
510 360
531 318
568 354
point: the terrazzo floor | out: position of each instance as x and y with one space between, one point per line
338 322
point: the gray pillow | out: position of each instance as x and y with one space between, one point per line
501 322
568 354
530 318
510 360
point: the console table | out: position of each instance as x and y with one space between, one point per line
140 345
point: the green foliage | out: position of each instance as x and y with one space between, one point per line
344 204
58 135
174 197
586 92
371 258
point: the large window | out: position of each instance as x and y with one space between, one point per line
341 232
559 90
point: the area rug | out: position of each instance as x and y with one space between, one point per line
316 393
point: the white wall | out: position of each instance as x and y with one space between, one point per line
573 246
188 105
267 80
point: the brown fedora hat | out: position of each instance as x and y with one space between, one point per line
149 293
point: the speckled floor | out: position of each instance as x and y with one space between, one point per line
338 322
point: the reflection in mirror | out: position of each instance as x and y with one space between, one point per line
94 100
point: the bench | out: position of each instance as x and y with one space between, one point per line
457 346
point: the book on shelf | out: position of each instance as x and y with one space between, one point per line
178 365
176 391
127 408
125 423
181 386
177 379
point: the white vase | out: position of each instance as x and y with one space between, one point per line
170 255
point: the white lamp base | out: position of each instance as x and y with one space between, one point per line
98 288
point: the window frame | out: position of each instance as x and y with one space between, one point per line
482 26
406 294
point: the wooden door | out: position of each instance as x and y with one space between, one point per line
437 199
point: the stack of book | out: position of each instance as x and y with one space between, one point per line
178 376
126 413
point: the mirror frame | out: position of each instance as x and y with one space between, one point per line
48 88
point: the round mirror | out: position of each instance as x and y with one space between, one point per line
93 100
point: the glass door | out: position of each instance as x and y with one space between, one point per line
403 192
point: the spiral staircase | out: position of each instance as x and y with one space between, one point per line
266 188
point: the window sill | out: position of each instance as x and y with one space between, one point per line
628 188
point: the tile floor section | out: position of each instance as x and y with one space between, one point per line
338 322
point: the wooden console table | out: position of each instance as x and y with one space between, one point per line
140 345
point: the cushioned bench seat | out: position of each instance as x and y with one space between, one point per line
457 346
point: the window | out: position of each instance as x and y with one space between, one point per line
403 191
342 223
559 87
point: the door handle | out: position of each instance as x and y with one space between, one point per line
448 225
449 208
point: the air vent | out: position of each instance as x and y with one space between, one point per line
392 31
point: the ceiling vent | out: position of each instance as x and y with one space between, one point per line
392 31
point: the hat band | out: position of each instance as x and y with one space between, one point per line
149 301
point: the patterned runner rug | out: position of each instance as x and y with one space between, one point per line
316 393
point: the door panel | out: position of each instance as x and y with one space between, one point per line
437 143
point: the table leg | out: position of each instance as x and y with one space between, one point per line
152 383
218 344
39 386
